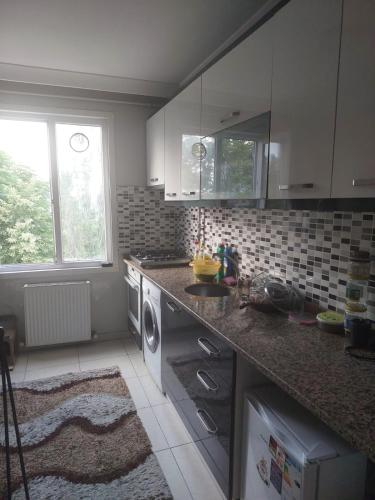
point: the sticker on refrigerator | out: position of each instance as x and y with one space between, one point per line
272 446
291 486
276 476
262 467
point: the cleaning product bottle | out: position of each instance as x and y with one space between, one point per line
228 264
220 251
236 258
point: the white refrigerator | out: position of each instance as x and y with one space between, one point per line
288 454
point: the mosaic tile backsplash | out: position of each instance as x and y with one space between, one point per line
309 249
145 221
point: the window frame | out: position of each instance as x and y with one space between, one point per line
73 117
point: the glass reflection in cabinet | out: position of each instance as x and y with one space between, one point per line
235 162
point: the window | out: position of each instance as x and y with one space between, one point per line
54 192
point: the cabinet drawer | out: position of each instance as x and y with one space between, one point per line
210 436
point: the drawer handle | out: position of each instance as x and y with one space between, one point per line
207 421
172 306
286 187
208 347
363 182
233 114
171 194
188 193
207 381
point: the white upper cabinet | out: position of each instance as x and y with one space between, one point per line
304 80
354 158
236 101
238 86
182 144
155 149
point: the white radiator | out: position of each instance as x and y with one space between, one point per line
57 313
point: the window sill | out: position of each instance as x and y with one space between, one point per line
56 271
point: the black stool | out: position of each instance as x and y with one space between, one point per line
7 389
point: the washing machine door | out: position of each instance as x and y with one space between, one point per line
150 326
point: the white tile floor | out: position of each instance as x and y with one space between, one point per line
187 475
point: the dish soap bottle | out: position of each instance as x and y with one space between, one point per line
220 251
228 264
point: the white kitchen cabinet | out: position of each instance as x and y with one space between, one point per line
238 86
236 100
304 80
182 144
155 149
354 160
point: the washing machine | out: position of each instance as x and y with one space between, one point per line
151 316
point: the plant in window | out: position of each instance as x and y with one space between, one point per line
25 215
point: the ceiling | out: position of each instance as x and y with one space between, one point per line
146 46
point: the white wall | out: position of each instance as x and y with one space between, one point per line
109 312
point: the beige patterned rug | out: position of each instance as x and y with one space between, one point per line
82 439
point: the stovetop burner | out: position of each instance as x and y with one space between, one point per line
159 258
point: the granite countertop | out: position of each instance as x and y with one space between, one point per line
309 364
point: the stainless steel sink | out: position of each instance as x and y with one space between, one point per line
207 290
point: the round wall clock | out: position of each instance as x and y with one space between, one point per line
79 142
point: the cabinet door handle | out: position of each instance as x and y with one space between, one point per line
207 421
188 193
363 182
208 347
286 187
172 306
156 179
233 114
152 179
171 194
207 381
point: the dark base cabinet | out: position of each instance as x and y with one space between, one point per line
198 376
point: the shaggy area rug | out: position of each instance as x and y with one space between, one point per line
82 439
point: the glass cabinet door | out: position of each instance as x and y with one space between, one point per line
235 161
236 102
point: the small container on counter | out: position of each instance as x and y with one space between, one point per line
356 291
331 321
359 265
354 310
359 332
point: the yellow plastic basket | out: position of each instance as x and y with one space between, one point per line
206 269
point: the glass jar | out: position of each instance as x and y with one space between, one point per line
354 310
359 265
356 291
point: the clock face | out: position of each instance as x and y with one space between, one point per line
198 150
79 142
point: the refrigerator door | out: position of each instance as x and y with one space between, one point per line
270 470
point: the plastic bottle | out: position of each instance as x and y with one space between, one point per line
228 264
220 251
